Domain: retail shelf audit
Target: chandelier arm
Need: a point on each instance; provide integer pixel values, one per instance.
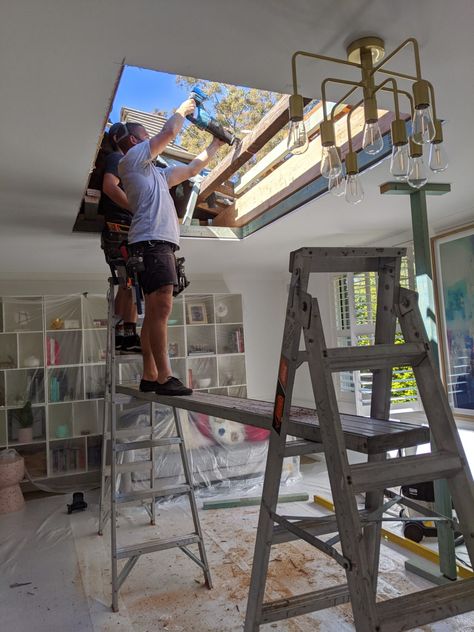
(404, 92)
(433, 104)
(341, 100)
(395, 93)
(355, 85)
(304, 53)
(349, 132)
(401, 75)
(410, 40)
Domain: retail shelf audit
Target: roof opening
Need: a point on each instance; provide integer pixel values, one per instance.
(249, 184)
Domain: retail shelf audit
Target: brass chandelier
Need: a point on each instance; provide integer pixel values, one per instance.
(368, 55)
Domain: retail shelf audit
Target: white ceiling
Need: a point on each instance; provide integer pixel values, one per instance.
(59, 61)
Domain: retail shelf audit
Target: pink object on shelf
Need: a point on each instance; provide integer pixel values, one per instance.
(52, 351)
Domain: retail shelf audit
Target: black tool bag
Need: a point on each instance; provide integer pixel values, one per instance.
(113, 237)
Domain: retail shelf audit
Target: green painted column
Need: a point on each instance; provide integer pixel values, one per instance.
(424, 286)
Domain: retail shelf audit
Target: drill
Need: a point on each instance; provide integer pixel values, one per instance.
(204, 120)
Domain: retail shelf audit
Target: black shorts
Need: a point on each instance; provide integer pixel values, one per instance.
(160, 265)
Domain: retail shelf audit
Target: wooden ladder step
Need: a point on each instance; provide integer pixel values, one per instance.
(156, 545)
(302, 604)
(145, 494)
(404, 471)
(147, 443)
(426, 606)
(378, 356)
(302, 446)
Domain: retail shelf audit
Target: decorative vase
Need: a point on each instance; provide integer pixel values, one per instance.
(25, 435)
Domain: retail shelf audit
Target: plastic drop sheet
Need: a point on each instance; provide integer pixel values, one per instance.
(224, 456)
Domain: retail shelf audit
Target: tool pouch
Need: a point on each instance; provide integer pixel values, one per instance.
(113, 237)
(182, 279)
(135, 259)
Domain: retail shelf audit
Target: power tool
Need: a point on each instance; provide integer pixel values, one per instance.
(204, 120)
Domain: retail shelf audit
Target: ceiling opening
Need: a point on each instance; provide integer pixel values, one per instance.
(249, 184)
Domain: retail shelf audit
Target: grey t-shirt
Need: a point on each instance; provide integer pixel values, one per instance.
(146, 186)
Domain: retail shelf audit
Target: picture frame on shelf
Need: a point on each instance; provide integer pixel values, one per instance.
(197, 313)
(453, 264)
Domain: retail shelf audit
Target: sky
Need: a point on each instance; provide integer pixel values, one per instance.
(146, 90)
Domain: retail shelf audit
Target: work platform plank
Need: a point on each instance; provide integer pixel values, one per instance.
(362, 434)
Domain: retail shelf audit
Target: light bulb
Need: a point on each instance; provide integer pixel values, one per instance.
(417, 176)
(438, 157)
(337, 185)
(372, 142)
(400, 162)
(331, 165)
(297, 137)
(423, 128)
(354, 190)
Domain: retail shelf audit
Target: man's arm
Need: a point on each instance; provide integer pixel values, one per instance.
(176, 175)
(171, 128)
(110, 186)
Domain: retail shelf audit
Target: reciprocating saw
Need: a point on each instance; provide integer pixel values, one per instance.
(204, 120)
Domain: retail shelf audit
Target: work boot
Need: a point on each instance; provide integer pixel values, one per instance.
(130, 345)
(172, 386)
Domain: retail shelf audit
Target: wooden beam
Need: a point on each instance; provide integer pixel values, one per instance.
(294, 173)
(270, 124)
(226, 188)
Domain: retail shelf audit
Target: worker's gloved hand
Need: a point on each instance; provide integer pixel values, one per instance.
(187, 107)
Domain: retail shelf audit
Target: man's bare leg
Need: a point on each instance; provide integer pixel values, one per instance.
(150, 372)
(157, 310)
(128, 308)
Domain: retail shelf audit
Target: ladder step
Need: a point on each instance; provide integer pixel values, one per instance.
(302, 604)
(147, 443)
(315, 526)
(301, 446)
(126, 433)
(403, 471)
(378, 356)
(156, 545)
(128, 357)
(134, 466)
(426, 606)
(144, 494)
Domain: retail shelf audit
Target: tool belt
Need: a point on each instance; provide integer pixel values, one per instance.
(113, 237)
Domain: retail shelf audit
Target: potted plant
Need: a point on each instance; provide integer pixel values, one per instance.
(25, 419)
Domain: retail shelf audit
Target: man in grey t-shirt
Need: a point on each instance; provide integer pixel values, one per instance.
(155, 230)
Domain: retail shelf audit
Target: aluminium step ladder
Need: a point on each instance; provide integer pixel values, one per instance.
(116, 443)
(358, 530)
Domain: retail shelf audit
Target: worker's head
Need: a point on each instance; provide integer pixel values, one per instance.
(112, 135)
(127, 135)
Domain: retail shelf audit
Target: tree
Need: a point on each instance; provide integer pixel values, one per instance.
(237, 109)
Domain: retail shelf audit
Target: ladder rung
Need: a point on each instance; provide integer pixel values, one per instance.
(404, 471)
(301, 446)
(378, 356)
(156, 545)
(147, 443)
(315, 526)
(302, 604)
(144, 494)
(134, 466)
(128, 357)
(126, 433)
(426, 606)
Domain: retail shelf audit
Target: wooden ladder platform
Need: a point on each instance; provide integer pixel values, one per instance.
(362, 434)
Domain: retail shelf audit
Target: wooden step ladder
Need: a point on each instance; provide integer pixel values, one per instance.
(117, 442)
(359, 530)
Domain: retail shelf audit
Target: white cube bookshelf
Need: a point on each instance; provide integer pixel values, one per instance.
(52, 353)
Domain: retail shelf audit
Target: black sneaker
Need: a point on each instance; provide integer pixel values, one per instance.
(131, 344)
(118, 342)
(172, 386)
(148, 386)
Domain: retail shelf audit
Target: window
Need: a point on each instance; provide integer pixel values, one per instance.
(355, 296)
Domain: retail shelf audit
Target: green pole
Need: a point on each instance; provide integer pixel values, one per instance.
(424, 286)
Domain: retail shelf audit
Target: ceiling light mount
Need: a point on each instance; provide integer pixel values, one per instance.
(374, 45)
(367, 56)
